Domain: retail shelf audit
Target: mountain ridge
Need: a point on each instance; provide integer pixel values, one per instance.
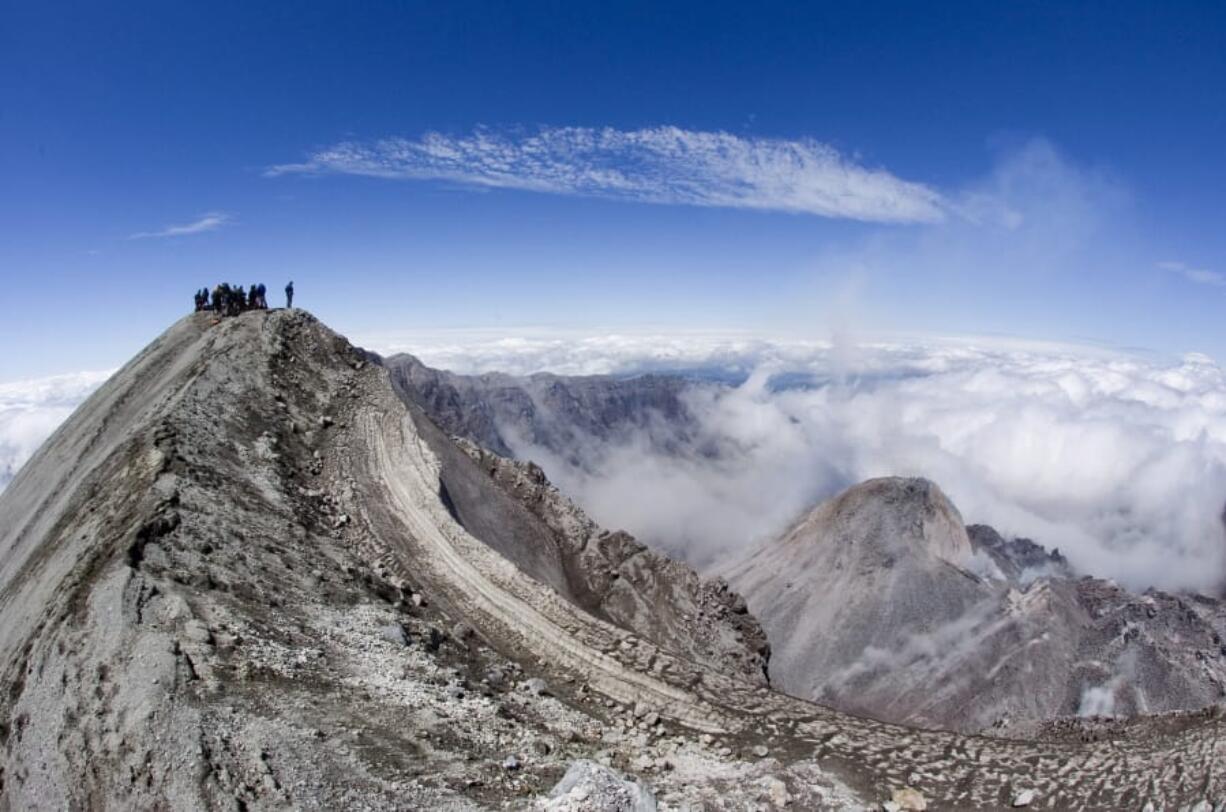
(232, 578)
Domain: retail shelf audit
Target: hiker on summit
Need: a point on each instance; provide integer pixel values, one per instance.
(289, 295)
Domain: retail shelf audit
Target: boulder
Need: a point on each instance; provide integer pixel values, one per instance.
(591, 787)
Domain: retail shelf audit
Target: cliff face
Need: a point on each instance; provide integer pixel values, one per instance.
(615, 577)
(880, 603)
(554, 412)
(246, 574)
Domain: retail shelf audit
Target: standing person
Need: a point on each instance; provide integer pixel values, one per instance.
(289, 295)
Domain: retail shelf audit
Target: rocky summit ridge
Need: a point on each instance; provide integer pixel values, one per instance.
(247, 574)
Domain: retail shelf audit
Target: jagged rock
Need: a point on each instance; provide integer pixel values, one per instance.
(394, 633)
(909, 800)
(591, 787)
(550, 411)
(777, 793)
(1024, 798)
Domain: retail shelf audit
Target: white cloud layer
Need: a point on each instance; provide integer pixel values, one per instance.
(209, 221)
(30, 410)
(653, 165)
(1118, 460)
(571, 352)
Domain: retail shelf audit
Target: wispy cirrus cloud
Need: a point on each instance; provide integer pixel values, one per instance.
(1200, 276)
(209, 221)
(665, 165)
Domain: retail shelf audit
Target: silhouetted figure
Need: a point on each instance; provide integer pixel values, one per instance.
(289, 295)
(231, 300)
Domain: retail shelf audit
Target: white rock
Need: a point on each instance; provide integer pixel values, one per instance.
(910, 800)
(777, 792)
(1024, 798)
(394, 633)
(590, 786)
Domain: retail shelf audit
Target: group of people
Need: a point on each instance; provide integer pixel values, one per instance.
(230, 300)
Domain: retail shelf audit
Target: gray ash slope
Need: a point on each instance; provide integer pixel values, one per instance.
(245, 574)
(880, 602)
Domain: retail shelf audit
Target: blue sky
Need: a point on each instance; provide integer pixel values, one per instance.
(1042, 170)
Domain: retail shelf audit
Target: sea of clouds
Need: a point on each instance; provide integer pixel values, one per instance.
(1117, 459)
(31, 409)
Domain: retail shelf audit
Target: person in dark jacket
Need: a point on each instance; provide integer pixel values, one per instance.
(289, 294)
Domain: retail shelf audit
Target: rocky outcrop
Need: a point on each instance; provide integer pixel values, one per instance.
(621, 580)
(1017, 560)
(880, 603)
(588, 787)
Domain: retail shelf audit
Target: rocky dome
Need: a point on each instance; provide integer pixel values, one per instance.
(881, 603)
